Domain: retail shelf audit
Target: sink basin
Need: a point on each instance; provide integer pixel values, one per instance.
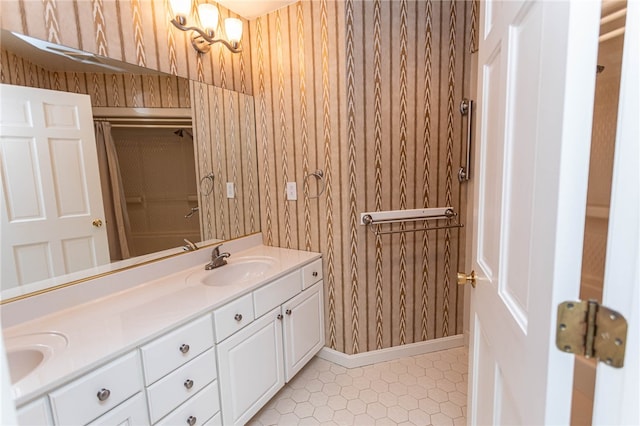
(28, 352)
(22, 362)
(236, 271)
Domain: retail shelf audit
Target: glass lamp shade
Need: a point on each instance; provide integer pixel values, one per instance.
(181, 7)
(233, 30)
(208, 14)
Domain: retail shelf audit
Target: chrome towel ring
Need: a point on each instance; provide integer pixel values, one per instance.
(206, 184)
(319, 175)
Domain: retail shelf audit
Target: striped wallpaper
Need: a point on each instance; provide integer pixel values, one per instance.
(367, 91)
(135, 31)
(224, 137)
(105, 90)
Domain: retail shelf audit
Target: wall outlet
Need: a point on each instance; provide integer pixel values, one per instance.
(292, 191)
(231, 190)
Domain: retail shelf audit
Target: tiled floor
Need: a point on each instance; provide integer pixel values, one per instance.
(429, 389)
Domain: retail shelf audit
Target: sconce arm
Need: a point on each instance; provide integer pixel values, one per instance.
(201, 41)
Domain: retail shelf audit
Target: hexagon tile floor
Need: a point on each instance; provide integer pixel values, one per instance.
(429, 389)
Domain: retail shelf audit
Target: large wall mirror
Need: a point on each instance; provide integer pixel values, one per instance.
(185, 156)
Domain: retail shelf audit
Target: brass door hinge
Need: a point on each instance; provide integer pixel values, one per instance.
(590, 329)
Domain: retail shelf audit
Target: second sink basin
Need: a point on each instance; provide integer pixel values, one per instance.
(28, 352)
(236, 271)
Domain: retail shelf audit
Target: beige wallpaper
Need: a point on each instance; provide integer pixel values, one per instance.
(367, 91)
(135, 31)
(106, 90)
(224, 135)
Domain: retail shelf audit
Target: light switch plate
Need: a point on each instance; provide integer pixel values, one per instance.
(292, 191)
(231, 190)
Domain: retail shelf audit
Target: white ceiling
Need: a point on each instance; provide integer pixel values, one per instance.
(251, 9)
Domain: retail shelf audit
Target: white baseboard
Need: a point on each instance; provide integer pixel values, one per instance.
(389, 354)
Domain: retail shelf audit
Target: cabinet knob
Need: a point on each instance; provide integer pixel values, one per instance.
(103, 394)
(315, 274)
(188, 383)
(279, 316)
(288, 312)
(238, 317)
(192, 420)
(184, 348)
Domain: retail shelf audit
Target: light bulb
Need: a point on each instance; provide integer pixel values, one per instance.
(208, 17)
(233, 29)
(181, 8)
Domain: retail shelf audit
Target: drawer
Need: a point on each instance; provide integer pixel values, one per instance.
(131, 412)
(197, 411)
(172, 390)
(78, 402)
(311, 274)
(276, 293)
(233, 316)
(170, 351)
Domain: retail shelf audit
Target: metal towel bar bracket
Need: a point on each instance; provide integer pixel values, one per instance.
(374, 220)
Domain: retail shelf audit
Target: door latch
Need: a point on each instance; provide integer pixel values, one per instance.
(592, 330)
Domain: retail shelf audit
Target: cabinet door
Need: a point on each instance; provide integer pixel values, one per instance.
(35, 414)
(303, 329)
(251, 369)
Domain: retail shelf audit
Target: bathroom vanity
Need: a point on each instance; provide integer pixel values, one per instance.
(196, 347)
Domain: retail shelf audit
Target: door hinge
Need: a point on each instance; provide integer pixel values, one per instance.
(590, 329)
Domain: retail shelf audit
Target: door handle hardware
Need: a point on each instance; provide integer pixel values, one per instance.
(467, 279)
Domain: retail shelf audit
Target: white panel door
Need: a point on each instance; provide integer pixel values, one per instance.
(303, 329)
(531, 162)
(50, 186)
(251, 368)
(617, 390)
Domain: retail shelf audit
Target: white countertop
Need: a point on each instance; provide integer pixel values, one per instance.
(110, 326)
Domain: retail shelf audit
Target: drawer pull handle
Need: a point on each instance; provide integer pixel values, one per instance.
(184, 348)
(188, 383)
(103, 394)
(192, 420)
(315, 274)
(288, 312)
(279, 316)
(238, 317)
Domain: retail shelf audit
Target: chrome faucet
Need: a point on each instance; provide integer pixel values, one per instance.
(217, 259)
(189, 246)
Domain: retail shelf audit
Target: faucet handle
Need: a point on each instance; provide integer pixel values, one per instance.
(216, 250)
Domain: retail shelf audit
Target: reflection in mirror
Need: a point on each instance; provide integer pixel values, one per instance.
(182, 175)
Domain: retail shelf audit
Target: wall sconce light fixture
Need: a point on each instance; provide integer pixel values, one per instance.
(203, 38)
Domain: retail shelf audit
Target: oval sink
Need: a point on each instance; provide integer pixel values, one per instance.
(235, 271)
(28, 352)
(22, 362)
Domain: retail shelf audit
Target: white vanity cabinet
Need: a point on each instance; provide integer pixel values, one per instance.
(256, 361)
(93, 394)
(251, 368)
(36, 413)
(180, 375)
(303, 329)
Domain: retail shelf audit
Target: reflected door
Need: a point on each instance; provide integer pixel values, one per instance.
(52, 213)
(530, 188)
